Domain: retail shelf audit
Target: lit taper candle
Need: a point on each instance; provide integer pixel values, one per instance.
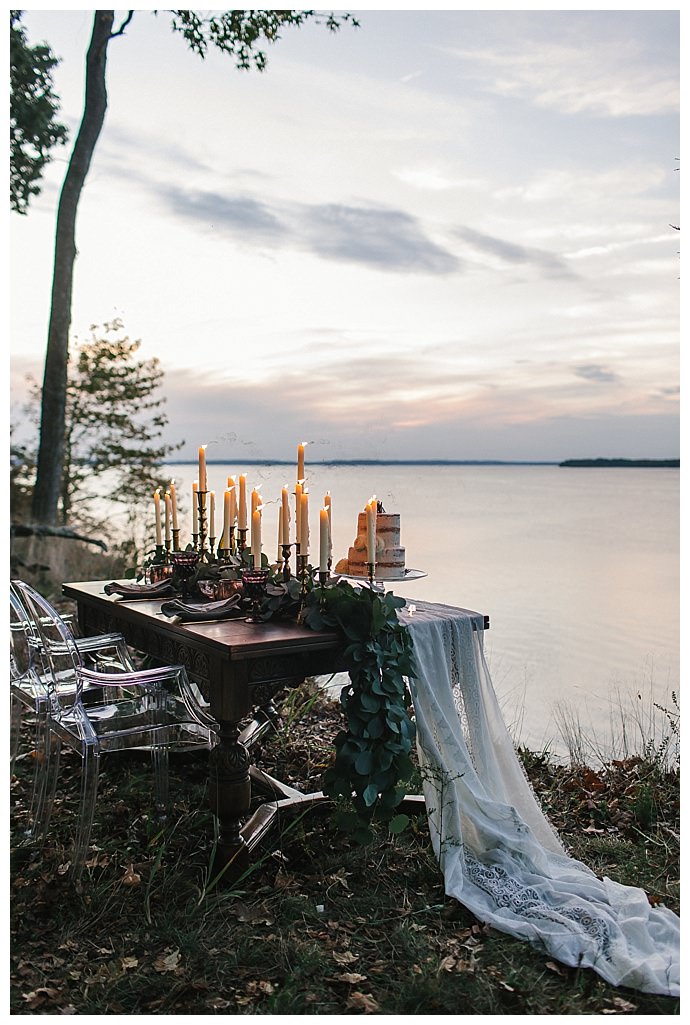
(173, 503)
(256, 537)
(242, 511)
(157, 505)
(323, 540)
(202, 468)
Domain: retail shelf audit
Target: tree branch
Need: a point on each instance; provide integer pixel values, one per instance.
(43, 530)
(123, 26)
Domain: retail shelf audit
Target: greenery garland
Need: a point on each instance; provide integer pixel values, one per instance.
(372, 756)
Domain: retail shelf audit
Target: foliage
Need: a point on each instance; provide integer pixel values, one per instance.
(113, 424)
(34, 130)
(372, 755)
(238, 33)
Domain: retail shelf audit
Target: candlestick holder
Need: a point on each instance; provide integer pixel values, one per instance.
(211, 546)
(371, 569)
(286, 561)
(175, 539)
(324, 575)
(254, 583)
(303, 576)
(241, 539)
(232, 544)
(202, 524)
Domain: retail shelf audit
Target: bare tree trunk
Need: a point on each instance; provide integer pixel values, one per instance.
(51, 445)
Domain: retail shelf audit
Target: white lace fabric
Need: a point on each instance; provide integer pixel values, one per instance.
(499, 855)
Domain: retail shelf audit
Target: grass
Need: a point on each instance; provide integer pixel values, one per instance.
(319, 925)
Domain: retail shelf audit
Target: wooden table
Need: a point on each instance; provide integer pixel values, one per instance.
(238, 666)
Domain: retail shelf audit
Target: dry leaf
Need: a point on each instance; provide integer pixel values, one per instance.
(167, 962)
(624, 1005)
(347, 957)
(129, 962)
(553, 967)
(351, 977)
(217, 1003)
(255, 915)
(37, 997)
(363, 1002)
(130, 878)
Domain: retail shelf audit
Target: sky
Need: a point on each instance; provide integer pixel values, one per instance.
(444, 234)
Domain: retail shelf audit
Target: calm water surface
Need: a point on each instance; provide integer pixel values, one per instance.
(578, 570)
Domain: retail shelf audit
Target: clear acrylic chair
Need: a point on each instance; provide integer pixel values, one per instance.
(29, 693)
(151, 708)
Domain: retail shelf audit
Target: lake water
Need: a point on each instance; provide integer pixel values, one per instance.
(578, 570)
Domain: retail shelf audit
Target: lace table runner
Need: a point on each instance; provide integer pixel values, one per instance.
(499, 855)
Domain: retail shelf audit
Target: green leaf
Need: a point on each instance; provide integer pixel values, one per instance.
(370, 794)
(398, 823)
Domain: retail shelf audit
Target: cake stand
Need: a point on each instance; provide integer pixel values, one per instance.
(409, 574)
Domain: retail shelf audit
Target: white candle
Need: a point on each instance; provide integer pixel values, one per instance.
(285, 515)
(173, 502)
(212, 515)
(327, 504)
(304, 523)
(202, 468)
(298, 511)
(227, 521)
(280, 537)
(168, 514)
(195, 508)
(323, 539)
(300, 460)
(371, 532)
(157, 505)
(232, 519)
(256, 537)
(242, 514)
(256, 499)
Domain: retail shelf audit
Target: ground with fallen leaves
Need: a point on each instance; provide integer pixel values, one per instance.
(320, 925)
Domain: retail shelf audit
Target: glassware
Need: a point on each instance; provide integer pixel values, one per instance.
(185, 563)
(254, 582)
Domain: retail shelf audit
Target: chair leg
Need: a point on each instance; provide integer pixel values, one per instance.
(15, 729)
(89, 789)
(45, 784)
(160, 762)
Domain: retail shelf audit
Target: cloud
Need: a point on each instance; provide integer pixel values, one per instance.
(608, 78)
(377, 237)
(596, 372)
(243, 215)
(551, 265)
(383, 238)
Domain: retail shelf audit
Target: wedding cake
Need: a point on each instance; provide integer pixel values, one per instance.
(390, 556)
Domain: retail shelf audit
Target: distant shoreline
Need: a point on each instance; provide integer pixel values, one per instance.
(668, 463)
(672, 463)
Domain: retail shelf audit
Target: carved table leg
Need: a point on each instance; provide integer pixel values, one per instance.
(229, 799)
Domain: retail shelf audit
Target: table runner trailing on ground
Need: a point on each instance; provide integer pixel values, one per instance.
(499, 855)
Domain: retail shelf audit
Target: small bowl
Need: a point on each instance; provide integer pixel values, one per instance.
(217, 590)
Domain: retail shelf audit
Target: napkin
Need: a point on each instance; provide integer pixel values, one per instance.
(179, 612)
(163, 589)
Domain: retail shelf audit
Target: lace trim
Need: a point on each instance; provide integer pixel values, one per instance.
(526, 902)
